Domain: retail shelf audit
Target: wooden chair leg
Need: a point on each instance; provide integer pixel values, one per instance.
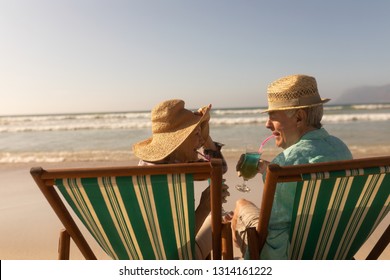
(64, 245)
(380, 246)
(227, 241)
(253, 243)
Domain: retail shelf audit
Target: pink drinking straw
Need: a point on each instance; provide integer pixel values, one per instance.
(264, 142)
(206, 157)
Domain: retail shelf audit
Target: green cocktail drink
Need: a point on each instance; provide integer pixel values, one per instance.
(248, 168)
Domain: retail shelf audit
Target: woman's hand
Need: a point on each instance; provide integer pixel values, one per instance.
(225, 192)
(204, 125)
(203, 111)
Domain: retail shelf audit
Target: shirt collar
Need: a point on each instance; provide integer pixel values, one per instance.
(316, 134)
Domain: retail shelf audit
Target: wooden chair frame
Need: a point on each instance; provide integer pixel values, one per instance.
(276, 174)
(201, 171)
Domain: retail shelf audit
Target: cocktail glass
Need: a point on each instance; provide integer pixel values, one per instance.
(248, 169)
(249, 165)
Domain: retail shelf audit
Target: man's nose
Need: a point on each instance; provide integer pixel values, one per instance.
(268, 124)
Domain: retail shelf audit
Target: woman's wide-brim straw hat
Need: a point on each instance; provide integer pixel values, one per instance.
(171, 126)
(293, 92)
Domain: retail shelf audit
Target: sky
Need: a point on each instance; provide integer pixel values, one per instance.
(74, 56)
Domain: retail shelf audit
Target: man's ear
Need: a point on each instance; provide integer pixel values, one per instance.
(301, 117)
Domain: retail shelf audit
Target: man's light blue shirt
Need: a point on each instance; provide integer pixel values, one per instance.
(314, 146)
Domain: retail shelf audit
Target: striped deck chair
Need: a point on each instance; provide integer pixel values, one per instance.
(139, 212)
(337, 207)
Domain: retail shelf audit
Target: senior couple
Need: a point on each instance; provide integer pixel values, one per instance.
(295, 110)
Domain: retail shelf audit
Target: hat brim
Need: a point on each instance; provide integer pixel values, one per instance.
(161, 145)
(325, 100)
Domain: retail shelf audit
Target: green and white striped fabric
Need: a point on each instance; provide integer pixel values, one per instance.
(138, 217)
(335, 213)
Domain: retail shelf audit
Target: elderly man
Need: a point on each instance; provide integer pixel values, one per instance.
(295, 110)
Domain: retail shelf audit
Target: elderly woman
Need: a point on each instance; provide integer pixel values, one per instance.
(178, 134)
(295, 110)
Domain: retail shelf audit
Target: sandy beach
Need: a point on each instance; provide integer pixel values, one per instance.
(29, 228)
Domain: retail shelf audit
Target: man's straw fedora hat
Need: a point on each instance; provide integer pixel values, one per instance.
(171, 125)
(293, 92)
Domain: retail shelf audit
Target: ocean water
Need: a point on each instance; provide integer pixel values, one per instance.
(109, 136)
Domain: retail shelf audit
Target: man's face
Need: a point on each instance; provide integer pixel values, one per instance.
(284, 128)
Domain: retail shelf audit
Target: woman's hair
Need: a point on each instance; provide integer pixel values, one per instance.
(314, 115)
